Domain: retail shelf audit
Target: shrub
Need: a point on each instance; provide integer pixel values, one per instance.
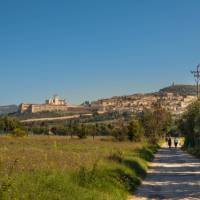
(38, 130)
(17, 132)
(8, 124)
(82, 132)
(120, 131)
(135, 131)
(189, 125)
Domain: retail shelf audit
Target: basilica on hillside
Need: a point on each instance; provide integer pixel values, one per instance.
(52, 104)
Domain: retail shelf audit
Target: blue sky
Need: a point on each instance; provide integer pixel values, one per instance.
(90, 49)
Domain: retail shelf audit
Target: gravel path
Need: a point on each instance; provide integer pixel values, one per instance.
(174, 174)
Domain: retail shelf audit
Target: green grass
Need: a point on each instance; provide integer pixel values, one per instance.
(59, 168)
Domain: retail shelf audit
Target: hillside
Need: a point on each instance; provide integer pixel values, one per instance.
(8, 109)
(180, 89)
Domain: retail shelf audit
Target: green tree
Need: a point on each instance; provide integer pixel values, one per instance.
(120, 131)
(82, 131)
(8, 124)
(189, 124)
(135, 130)
(92, 130)
(156, 123)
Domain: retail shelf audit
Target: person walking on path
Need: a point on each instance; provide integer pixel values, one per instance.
(169, 142)
(166, 139)
(175, 142)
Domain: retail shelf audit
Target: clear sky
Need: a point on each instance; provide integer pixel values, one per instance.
(90, 49)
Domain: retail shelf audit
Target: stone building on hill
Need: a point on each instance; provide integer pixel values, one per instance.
(52, 104)
(55, 100)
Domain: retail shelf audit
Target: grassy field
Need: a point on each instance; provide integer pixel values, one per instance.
(60, 168)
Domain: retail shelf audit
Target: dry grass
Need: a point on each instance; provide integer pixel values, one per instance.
(64, 153)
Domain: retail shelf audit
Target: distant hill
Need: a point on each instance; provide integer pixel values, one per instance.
(180, 89)
(8, 109)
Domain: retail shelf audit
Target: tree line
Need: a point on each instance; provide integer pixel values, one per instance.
(189, 125)
(11, 126)
(151, 124)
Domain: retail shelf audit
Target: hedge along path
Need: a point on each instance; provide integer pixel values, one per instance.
(173, 174)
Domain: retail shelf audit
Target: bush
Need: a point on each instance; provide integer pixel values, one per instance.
(189, 125)
(120, 133)
(82, 132)
(135, 131)
(38, 130)
(8, 124)
(17, 132)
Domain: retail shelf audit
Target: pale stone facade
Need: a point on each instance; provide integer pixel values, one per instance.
(34, 108)
(56, 101)
(52, 104)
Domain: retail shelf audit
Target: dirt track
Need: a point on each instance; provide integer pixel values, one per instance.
(174, 174)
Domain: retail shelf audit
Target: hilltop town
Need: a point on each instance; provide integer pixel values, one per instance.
(175, 102)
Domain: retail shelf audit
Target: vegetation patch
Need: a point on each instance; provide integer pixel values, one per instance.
(189, 125)
(32, 168)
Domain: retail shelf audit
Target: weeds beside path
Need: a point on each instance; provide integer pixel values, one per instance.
(58, 168)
